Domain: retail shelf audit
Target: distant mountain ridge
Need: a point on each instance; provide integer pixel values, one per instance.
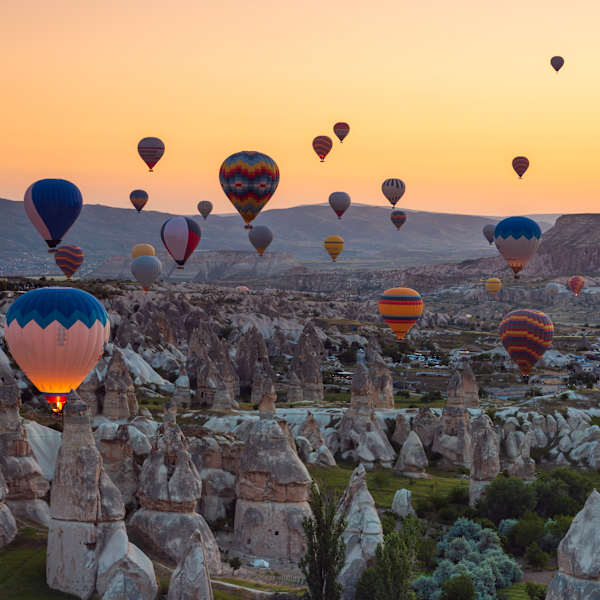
(371, 240)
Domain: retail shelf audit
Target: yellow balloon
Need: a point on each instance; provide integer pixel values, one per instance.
(493, 286)
(142, 250)
(334, 244)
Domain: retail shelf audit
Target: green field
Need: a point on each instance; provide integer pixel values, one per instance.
(517, 592)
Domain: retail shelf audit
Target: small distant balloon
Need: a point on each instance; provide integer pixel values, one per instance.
(260, 237)
(69, 259)
(339, 202)
(242, 288)
(553, 288)
(146, 269)
(205, 208)
(493, 285)
(142, 250)
(180, 236)
(151, 150)
(488, 233)
(334, 244)
(557, 62)
(322, 145)
(138, 198)
(520, 164)
(576, 283)
(398, 218)
(393, 190)
(341, 129)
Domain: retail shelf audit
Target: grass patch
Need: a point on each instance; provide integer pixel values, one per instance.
(228, 594)
(516, 591)
(264, 587)
(336, 397)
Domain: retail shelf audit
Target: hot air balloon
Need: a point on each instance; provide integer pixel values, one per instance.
(553, 288)
(339, 201)
(517, 239)
(205, 208)
(69, 259)
(249, 179)
(142, 250)
(334, 244)
(180, 236)
(400, 308)
(322, 145)
(138, 198)
(526, 335)
(53, 205)
(151, 150)
(520, 164)
(260, 237)
(493, 285)
(341, 129)
(146, 269)
(398, 218)
(242, 288)
(576, 283)
(56, 336)
(393, 190)
(488, 233)
(557, 62)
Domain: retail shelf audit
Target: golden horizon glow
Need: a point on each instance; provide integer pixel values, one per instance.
(440, 94)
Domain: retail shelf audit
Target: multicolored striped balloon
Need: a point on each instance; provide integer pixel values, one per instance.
(322, 145)
(398, 218)
(400, 308)
(526, 335)
(138, 198)
(493, 285)
(249, 179)
(53, 206)
(393, 190)
(520, 164)
(151, 150)
(576, 283)
(69, 259)
(517, 239)
(56, 336)
(341, 129)
(180, 236)
(334, 244)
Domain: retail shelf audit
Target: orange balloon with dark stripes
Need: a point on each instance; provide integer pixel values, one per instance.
(576, 284)
(520, 164)
(322, 145)
(69, 259)
(400, 308)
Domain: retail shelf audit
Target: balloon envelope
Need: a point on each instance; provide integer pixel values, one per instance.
(142, 250)
(69, 259)
(242, 288)
(260, 237)
(334, 244)
(493, 285)
(576, 283)
(138, 198)
(557, 62)
(393, 190)
(205, 208)
(400, 308)
(339, 201)
(520, 164)
(526, 335)
(488, 233)
(398, 218)
(180, 236)
(52, 206)
(322, 145)
(341, 129)
(553, 288)
(56, 336)
(517, 239)
(249, 179)
(146, 269)
(151, 150)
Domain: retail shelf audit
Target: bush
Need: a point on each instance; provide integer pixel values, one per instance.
(458, 588)
(427, 553)
(536, 557)
(388, 523)
(529, 529)
(506, 498)
(535, 591)
(562, 491)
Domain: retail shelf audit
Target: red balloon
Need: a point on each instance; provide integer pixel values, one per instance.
(322, 145)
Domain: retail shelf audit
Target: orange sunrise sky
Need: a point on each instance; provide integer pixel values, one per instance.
(442, 94)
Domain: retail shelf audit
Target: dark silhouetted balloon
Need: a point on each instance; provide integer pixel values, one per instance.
(339, 201)
(138, 198)
(205, 208)
(341, 129)
(151, 150)
(398, 218)
(322, 145)
(557, 62)
(488, 233)
(520, 164)
(260, 237)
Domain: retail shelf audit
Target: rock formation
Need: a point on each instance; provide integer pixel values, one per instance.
(578, 577)
(401, 430)
(516, 456)
(363, 530)
(463, 390)
(311, 444)
(412, 460)
(119, 392)
(170, 488)
(402, 505)
(269, 396)
(294, 390)
(252, 357)
(273, 488)
(381, 377)
(425, 425)
(191, 579)
(8, 525)
(181, 396)
(90, 391)
(88, 548)
(486, 457)
(305, 364)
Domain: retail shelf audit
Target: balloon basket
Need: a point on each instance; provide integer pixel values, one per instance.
(247, 226)
(56, 402)
(179, 267)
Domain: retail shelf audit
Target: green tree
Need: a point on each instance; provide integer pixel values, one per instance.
(458, 588)
(536, 557)
(325, 548)
(506, 498)
(394, 566)
(235, 563)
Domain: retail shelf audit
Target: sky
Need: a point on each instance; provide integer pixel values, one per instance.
(440, 94)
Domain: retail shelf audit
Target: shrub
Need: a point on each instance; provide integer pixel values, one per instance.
(388, 523)
(535, 591)
(458, 588)
(506, 498)
(536, 557)
(529, 529)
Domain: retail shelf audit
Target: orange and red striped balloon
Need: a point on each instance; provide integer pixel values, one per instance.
(576, 284)
(341, 129)
(69, 259)
(400, 308)
(520, 164)
(322, 145)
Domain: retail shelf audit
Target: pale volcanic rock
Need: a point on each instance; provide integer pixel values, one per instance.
(363, 530)
(294, 390)
(463, 390)
(402, 505)
(363, 394)
(425, 424)
(8, 525)
(453, 437)
(486, 457)
(516, 456)
(182, 395)
(119, 392)
(412, 460)
(191, 578)
(401, 430)
(251, 352)
(579, 556)
(381, 377)
(90, 391)
(269, 396)
(314, 449)
(306, 364)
